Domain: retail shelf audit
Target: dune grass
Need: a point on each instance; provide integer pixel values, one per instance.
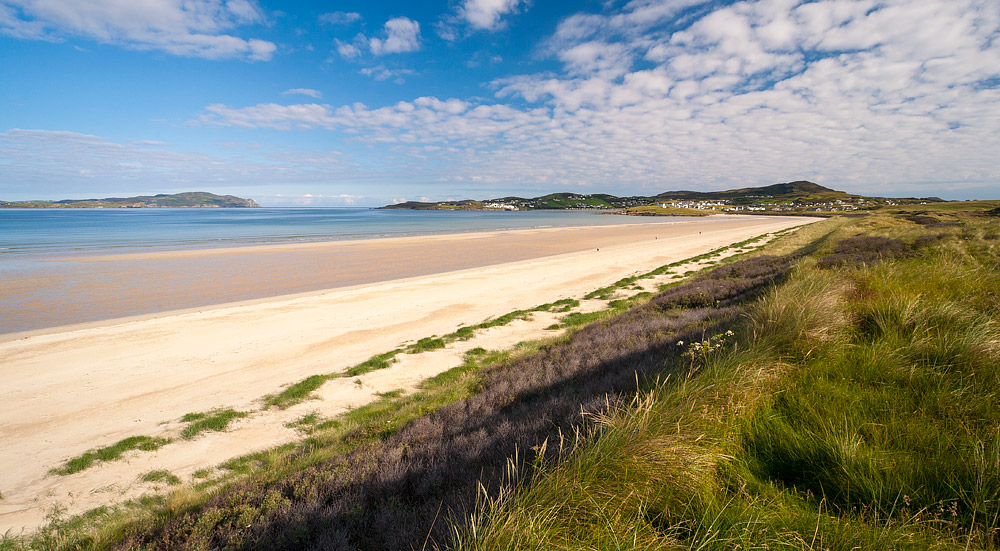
(856, 408)
(215, 420)
(161, 476)
(111, 453)
(296, 393)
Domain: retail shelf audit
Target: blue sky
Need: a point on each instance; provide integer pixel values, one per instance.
(366, 103)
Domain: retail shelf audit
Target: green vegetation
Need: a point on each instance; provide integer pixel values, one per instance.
(853, 408)
(798, 197)
(657, 210)
(161, 476)
(311, 422)
(378, 361)
(187, 199)
(297, 392)
(110, 453)
(215, 420)
(425, 344)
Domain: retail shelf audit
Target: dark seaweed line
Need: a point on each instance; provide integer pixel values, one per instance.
(397, 494)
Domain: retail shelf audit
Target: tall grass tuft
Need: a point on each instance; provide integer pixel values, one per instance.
(111, 453)
(215, 420)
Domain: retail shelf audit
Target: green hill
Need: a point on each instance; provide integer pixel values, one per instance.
(190, 199)
(798, 196)
(792, 190)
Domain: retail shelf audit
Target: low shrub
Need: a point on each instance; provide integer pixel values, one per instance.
(867, 249)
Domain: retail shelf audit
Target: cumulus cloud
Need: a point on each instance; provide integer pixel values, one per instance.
(303, 92)
(349, 50)
(400, 34)
(195, 28)
(875, 97)
(486, 14)
(476, 15)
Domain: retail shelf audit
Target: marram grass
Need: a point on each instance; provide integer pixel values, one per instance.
(858, 409)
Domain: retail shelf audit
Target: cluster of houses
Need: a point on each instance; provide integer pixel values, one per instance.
(700, 205)
(492, 205)
(837, 205)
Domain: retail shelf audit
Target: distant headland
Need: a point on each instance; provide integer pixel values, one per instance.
(191, 199)
(790, 198)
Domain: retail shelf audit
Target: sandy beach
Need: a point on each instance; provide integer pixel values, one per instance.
(224, 327)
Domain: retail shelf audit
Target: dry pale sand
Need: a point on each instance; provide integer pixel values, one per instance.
(71, 390)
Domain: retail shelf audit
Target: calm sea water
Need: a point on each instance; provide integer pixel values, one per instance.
(33, 232)
(46, 279)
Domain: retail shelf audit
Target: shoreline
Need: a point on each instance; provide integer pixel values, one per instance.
(73, 390)
(70, 291)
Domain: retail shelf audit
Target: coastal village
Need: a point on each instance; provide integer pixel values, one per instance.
(743, 204)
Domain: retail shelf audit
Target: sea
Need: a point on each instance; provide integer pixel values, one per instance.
(34, 232)
(60, 267)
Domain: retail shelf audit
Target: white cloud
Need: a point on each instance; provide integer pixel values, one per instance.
(193, 28)
(339, 18)
(883, 97)
(381, 72)
(486, 14)
(597, 57)
(270, 115)
(476, 15)
(401, 35)
(303, 92)
(348, 50)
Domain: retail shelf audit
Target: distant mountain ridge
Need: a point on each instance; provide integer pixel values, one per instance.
(788, 191)
(189, 199)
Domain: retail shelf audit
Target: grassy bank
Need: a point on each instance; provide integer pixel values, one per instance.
(854, 407)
